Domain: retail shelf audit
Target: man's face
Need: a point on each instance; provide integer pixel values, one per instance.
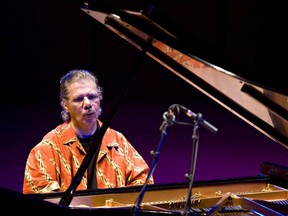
(83, 103)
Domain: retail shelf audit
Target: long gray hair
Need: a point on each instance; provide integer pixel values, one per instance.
(74, 76)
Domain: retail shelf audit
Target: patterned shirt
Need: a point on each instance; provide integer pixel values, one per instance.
(53, 162)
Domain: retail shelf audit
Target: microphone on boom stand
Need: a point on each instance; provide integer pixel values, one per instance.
(169, 119)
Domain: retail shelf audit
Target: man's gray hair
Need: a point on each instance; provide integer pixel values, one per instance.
(71, 77)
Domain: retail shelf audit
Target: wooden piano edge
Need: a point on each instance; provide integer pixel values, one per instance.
(112, 204)
(278, 174)
(226, 204)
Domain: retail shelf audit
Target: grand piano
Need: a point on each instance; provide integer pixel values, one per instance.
(231, 51)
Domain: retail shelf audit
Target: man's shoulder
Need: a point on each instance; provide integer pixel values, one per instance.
(62, 131)
(58, 129)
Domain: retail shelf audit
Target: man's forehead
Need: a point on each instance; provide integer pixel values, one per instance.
(82, 86)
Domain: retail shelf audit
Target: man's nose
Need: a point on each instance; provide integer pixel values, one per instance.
(86, 103)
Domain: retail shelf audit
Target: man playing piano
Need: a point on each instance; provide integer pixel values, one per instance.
(52, 163)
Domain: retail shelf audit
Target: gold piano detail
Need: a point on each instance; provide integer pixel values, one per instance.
(254, 196)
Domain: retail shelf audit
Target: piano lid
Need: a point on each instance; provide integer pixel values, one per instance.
(230, 51)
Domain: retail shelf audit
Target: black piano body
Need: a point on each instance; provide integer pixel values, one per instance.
(231, 51)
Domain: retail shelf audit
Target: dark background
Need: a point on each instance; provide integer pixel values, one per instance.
(40, 41)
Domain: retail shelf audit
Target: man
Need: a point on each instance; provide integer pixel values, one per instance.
(53, 162)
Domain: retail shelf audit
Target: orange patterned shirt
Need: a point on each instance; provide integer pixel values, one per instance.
(52, 163)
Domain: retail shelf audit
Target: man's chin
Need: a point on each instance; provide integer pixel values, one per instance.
(90, 119)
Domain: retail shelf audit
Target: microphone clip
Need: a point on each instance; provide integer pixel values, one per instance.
(169, 119)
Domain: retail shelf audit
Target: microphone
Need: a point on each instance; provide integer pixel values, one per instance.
(203, 122)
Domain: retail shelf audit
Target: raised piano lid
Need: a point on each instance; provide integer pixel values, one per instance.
(230, 51)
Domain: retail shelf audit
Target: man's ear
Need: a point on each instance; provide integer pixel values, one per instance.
(64, 106)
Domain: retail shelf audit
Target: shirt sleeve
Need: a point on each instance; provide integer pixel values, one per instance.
(40, 171)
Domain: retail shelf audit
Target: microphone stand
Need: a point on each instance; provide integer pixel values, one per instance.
(169, 119)
(195, 140)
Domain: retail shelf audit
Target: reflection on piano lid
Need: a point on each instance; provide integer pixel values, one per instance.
(220, 70)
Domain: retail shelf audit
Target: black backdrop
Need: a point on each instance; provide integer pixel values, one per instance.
(40, 41)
